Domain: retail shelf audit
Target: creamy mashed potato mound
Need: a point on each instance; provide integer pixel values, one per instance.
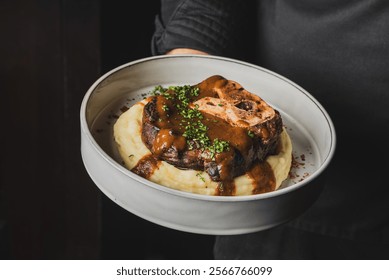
(127, 134)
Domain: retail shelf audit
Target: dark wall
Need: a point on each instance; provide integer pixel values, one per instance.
(127, 27)
(50, 55)
(126, 30)
(51, 52)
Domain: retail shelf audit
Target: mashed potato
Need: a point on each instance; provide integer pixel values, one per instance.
(127, 134)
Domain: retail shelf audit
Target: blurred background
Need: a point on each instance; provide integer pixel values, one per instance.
(51, 53)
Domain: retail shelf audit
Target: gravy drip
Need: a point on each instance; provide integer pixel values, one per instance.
(146, 166)
(263, 177)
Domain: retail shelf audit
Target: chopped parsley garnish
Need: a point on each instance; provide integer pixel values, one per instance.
(160, 90)
(218, 146)
(250, 133)
(195, 131)
(200, 175)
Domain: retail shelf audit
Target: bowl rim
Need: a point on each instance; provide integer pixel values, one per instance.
(86, 132)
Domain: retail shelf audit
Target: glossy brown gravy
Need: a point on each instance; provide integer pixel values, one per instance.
(146, 166)
(263, 177)
(261, 174)
(171, 127)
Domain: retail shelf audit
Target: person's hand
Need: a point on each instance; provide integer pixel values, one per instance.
(185, 51)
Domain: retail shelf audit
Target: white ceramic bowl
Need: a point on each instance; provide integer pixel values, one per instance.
(307, 123)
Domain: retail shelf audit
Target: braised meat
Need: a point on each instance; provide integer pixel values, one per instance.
(215, 126)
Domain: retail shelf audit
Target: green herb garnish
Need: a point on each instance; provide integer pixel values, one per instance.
(200, 175)
(218, 146)
(195, 131)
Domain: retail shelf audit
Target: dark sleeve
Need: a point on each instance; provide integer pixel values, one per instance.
(213, 26)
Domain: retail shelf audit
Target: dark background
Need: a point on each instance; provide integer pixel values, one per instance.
(51, 53)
